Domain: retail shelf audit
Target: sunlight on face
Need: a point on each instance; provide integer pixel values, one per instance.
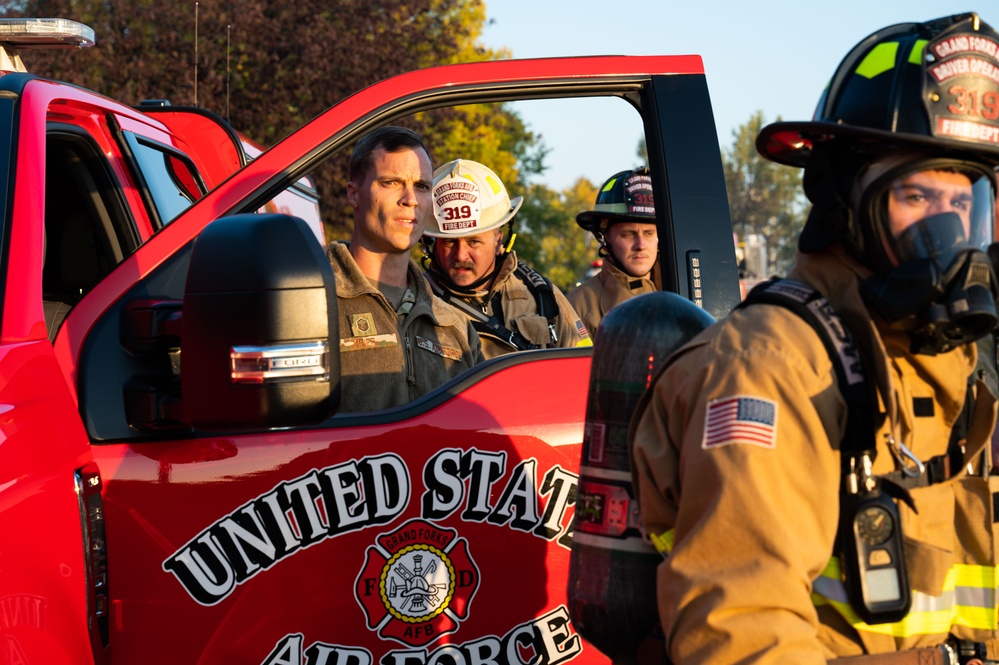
(392, 202)
(635, 246)
(469, 259)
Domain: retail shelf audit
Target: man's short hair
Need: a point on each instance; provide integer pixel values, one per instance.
(390, 138)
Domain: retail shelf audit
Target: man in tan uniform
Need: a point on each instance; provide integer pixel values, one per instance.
(512, 307)
(397, 341)
(744, 463)
(624, 223)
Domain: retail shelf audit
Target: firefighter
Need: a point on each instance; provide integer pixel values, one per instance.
(779, 477)
(397, 341)
(624, 223)
(513, 307)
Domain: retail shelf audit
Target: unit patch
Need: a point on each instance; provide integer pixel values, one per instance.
(439, 349)
(417, 583)
(362, 325)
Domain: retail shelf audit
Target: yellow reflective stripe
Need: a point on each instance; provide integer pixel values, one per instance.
(916, 54)
(609, 186)
(586, 341)
(663, 542)
(879, 60)
(969, 598)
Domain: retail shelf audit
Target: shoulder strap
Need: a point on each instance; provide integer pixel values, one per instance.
(815, 310)
(483, 323)
(811, 306)
(541, 287)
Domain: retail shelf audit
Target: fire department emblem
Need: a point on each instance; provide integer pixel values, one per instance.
(417, 583)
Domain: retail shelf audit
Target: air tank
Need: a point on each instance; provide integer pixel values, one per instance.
(612, 568)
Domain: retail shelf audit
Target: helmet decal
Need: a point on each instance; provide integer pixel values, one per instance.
(880, 60)
(469, 199)
(639, 190)
(456, 204)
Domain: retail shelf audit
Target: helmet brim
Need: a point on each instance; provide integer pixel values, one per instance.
(792, 143)
(590, 219)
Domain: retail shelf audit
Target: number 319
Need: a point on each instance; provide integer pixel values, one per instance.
(458, 212)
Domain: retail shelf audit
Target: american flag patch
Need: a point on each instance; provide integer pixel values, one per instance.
(751, 420)
(581, 329)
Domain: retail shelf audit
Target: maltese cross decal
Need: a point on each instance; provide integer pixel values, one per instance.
(417, 583)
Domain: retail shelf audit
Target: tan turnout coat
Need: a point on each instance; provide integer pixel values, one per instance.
(753, 527)
(520, 313)
(608, 288)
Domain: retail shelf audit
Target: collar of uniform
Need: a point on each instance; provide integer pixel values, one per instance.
(351, 283)
(609, 271)
(506, 270)
(837, 277)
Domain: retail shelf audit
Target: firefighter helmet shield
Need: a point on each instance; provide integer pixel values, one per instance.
(624, 197)
(469, 199)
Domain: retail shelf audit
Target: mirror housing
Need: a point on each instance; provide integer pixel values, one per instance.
(260, 337)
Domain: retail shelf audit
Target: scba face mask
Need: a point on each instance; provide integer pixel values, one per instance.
(926, 223)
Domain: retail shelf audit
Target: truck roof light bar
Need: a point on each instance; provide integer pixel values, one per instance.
(39, 33)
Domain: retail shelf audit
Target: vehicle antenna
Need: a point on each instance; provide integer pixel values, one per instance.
(195, 53)
(228, 72)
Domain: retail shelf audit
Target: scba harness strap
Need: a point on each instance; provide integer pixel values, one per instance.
(811, 306)
(869, 542)
(815, 310)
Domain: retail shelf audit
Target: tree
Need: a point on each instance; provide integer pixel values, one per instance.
(551, 241)
(270, 65)
(765, 197)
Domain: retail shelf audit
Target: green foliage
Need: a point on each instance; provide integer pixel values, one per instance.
(549, 239)
(271, 65)
(489, 134)
(765, 197)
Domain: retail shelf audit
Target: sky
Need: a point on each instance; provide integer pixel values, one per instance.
(773, 56)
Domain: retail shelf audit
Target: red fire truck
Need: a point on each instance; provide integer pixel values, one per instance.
(173, 485)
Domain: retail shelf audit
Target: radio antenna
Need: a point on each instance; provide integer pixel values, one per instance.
(195, 53)
(228, 72)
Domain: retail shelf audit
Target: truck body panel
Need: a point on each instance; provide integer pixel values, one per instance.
(436, 530)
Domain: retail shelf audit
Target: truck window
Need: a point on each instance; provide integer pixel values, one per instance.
(171, 181)
(87, 232)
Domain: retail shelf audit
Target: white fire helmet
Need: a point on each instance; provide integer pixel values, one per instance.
(469, 199)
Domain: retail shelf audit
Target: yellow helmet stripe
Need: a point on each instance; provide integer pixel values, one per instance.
(879, 60)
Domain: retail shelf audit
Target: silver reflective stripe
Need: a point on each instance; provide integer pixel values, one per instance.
(975, 597)
(280, 362)
(831, 589)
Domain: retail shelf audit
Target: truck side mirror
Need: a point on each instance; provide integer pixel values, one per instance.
(259, 330)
